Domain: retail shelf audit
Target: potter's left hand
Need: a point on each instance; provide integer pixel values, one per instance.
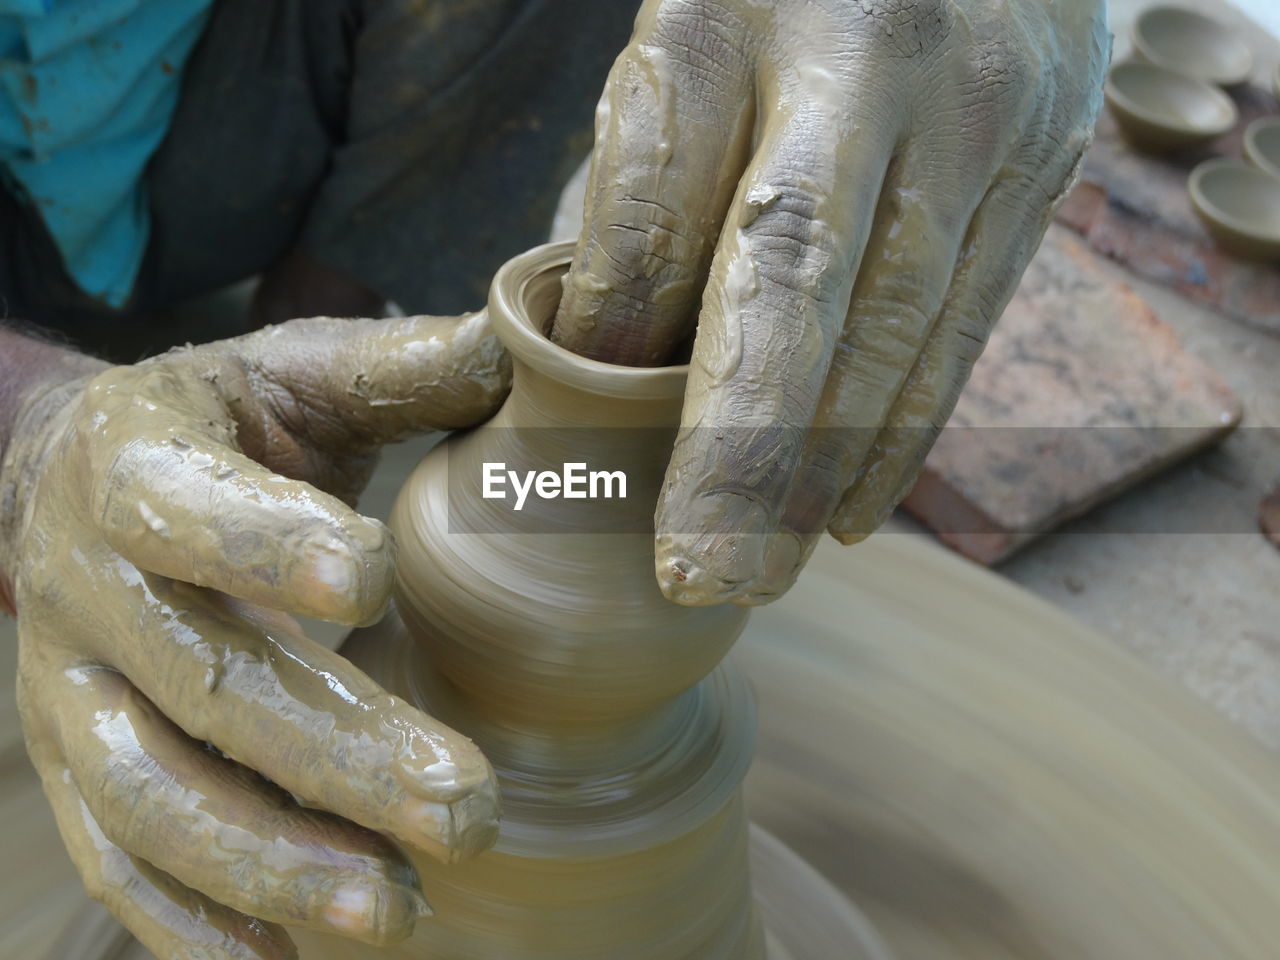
(213, 771)
(851, 189)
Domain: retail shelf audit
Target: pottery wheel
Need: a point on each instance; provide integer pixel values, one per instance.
(986, 778)
(805, 917)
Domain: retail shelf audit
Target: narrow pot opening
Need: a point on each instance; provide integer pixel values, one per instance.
(522, 306)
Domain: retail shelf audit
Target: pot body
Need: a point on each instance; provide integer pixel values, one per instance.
(536, 627)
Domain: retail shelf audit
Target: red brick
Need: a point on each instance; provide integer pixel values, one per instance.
(1081, 393)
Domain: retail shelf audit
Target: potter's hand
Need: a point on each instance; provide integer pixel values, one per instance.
(858, 184)
(169, 712)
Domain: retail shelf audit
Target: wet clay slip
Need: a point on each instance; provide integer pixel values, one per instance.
(1159, 109)
(1240, 206)
(1193, 44)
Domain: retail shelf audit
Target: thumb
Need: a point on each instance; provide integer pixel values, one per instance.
(381, 381)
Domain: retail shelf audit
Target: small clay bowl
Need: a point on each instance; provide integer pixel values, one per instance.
(1193, 44)
(1240, 206)
(1159, 109)
(1262, 144)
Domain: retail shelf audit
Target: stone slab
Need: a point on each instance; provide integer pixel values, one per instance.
(1082, 393)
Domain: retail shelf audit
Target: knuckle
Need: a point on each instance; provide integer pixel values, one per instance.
(1004, 75)
(707, 41)
(646, 238)
(968, 337)
(891, 330)
(108, 389)
(700, 28)
(120, 515)
(908, 28)
(790, 241)
(632, 273)
(41, 590)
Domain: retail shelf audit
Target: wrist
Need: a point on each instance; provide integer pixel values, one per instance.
(37, 380)
(30, 366)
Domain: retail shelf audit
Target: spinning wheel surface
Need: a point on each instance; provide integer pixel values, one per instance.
(984, 777)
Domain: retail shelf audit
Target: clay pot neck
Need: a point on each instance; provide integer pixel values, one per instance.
(555, 387)
(546, 615)
(540, 632)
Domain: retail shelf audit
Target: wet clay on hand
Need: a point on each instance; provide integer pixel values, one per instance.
(215, 773)
(843, 197)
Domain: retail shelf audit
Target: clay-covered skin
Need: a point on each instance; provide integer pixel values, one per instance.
(841, 195)
(213, 771)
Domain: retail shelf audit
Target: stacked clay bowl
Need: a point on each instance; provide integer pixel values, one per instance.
(1240, 207)
(1262, 145)
(1239, 203)
(1170, 98)
(1159, 109)
(1192, 44)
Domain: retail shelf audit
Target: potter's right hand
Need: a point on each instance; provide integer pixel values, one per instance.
(843, 195)
(213, 772)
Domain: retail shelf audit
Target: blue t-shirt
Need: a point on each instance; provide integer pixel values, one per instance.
(87, 91)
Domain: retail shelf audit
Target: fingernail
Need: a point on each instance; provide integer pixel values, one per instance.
(341, 555)
(352, 908)
(354, 584)
(853, 522)
(848, 539)
(457, 831)
(370, 535)
(376, 914)
(704, 570)
(475, 821)
(712, 548)
(431, 818)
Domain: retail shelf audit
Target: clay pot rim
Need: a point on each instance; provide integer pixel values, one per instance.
(1214, 213)
(1254, 153)
(1215, 32)
(1121, 102)
(528, 342)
